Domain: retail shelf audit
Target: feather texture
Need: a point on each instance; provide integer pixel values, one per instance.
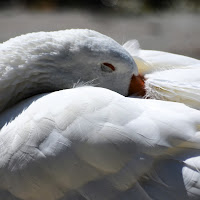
(85, 148)
(168, 76)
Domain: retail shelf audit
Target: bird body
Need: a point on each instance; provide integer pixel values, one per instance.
(86, 142)
(76, 143)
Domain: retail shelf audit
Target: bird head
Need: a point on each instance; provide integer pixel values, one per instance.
(48, 61)
(87, 56)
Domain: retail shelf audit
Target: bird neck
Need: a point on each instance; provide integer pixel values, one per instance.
(20, 83)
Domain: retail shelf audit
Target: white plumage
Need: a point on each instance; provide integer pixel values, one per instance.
(48, 61)
(168, 76)
(88, 142)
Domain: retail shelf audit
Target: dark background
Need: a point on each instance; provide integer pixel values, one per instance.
(132, 6)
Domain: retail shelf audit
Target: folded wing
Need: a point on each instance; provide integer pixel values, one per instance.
(91, 143)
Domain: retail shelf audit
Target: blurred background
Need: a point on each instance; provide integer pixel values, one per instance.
(167, 25)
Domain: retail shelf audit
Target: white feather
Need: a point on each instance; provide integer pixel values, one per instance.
(168, 76)
(92, 143)
(95, 140)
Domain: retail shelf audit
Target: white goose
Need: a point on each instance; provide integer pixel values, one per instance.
(88, 142)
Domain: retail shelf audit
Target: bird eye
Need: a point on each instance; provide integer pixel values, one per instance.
(107, 67)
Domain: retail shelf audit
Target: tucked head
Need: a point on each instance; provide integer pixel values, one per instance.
(87, 55)
(47, 61)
